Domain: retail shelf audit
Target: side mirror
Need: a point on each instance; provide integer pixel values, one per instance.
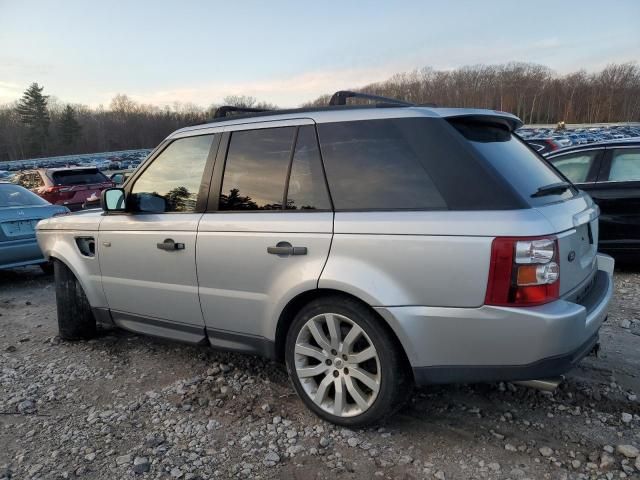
(113, 200)
(118, 178)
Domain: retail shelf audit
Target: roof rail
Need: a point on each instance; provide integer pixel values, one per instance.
(340, 98)
(225, 110)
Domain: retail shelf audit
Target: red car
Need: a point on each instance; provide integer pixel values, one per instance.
(69, 186)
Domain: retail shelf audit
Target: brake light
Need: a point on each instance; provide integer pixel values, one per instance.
(59, 192)
(523, 271)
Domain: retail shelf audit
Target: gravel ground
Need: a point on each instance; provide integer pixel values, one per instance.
(126, 406)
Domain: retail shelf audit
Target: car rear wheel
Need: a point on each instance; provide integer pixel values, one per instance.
(344, 363)
(75, 318)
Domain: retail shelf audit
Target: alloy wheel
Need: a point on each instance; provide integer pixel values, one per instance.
(337, 365)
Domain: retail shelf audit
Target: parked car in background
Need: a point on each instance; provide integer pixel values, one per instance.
(70, 187)
(20, 211)
(344, 242)
(543, 145)
(610, 173)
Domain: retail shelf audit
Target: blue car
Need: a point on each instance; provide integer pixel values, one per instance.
(20, 211)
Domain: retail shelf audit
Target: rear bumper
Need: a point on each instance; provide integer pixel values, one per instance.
(449, 345)
(18, 253)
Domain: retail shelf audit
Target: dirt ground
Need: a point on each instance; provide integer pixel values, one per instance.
(126, 406)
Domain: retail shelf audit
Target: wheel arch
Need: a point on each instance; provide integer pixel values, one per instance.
(299, 301)
(86, 271)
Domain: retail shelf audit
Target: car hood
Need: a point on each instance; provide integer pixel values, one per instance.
(83, 220)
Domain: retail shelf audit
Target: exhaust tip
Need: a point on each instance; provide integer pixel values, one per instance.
(545, 385)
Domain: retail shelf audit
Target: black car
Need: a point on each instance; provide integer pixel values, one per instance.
(610, 173)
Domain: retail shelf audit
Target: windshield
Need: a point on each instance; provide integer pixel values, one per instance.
(79, 177)
(521, 167)
(17, 196)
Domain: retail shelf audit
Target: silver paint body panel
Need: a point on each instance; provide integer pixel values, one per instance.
(425, 273)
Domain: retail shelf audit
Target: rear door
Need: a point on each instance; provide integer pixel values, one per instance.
(148, 255)
(267, 231)
(617, 192)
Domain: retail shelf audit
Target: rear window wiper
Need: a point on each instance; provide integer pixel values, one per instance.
(552, 189)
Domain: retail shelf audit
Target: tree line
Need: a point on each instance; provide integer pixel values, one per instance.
(530, 91)
(38, 125)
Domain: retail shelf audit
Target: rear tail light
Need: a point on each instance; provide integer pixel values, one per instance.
(59, 192)
(523, 271)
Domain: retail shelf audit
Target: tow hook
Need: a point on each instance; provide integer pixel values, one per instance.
(595, 351)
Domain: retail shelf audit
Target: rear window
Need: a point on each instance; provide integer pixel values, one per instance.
(78, 177)
(17, 196)
(407, 164)
(513, 160)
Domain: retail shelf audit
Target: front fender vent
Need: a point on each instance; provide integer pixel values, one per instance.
(87, 246)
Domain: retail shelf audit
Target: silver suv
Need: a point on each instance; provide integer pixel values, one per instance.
(370, 248)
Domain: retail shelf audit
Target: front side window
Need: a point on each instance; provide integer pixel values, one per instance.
(256, 169)
(625, 165)
(307, 188)
(171, 183)
(575, 166)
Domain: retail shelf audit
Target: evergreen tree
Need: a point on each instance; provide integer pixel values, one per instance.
(33, 112)
(70, 129)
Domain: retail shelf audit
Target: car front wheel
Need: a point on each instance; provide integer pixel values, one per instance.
(75, 318)
(344, 363)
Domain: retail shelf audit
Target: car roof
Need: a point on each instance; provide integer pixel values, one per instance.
(620, 142)
(358, 112)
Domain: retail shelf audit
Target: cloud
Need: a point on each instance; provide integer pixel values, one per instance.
(9, 92)
(285, 92)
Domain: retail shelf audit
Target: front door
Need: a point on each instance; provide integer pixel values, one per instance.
(267, 232)
(148, 255)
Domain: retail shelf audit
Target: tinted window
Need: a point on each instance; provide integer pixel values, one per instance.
(625, 165)
(513, 160)
(373, 165)
(256, 169)
(172, 181)
(408, 164)
(17, 196)
(575, 166)
(78, 177)
(307, 188)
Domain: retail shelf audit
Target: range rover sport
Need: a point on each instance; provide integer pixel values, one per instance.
(369, 248)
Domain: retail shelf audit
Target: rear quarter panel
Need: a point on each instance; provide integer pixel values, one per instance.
(438, 259)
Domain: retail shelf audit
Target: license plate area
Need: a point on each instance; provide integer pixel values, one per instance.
(19, 227)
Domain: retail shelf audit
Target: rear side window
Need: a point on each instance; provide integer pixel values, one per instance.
(256, 169)
(407, 164)
(307, 188)
(575, 166)
(78, 177)
(625, 165)
(513, 160)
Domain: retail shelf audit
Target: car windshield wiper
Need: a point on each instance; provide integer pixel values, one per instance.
(552, 189)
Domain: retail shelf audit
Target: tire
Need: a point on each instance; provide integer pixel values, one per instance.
(47, 268)
(374, 383)
(75, 318)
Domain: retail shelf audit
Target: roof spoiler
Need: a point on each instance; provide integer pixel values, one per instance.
(485, 116)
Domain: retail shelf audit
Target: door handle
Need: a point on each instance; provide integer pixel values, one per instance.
(169, 245)
(285, 248)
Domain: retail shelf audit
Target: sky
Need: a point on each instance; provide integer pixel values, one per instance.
(288, 52)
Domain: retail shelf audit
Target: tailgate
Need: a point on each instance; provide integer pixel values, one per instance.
(575, 222)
